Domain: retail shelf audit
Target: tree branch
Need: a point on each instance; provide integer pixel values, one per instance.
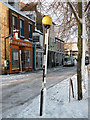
(87, 6)
(74, 12)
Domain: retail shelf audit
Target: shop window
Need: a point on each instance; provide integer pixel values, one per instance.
(30, 31)
(28, 58)
(23, 58)
(14, 22)
(15, 58)
(39, 61)
(21, 28)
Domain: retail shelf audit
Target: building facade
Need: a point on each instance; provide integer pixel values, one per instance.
(37, 41)
(38, 48)
(56, 49)
(17, 48)
(71, 48)
(60, 51)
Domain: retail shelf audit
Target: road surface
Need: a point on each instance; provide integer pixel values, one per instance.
(20, 90)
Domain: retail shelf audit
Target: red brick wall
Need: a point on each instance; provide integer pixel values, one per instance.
(62, 45)
(26, 24)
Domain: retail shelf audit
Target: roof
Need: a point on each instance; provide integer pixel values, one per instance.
(30, 7)
(19, 12)
(38, 31)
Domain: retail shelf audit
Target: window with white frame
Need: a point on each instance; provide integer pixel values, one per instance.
(30, 31)
(14, 22)
(15, 58)
(21, 28)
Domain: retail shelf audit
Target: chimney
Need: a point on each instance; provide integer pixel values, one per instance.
(15, 4)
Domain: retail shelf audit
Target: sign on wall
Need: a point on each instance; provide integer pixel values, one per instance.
(36, 38)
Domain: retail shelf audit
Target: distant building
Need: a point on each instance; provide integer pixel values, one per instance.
(60, 51)
(56, 48)
(19, 48)
(72, 49)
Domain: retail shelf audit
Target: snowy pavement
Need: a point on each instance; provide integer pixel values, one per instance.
(57, 103)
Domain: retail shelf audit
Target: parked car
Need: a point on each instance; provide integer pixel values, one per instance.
(86, 60)
(68, 61)
(75, 56)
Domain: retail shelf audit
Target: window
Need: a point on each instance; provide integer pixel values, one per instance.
(15, 58)
(21, 28)
(30, 31)
(26, 58)
(14, 22)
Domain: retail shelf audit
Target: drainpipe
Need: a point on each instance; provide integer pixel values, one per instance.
(20, 62)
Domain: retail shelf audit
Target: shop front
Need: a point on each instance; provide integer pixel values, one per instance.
(58, 58)
(51, 58)
(20, 55)
(39, 59)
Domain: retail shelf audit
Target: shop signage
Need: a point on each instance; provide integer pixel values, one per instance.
(20, 43)
(35, 38)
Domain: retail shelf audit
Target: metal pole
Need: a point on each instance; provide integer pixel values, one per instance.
(20, 61)
(5, 58)
(43, 91)
(5, 48)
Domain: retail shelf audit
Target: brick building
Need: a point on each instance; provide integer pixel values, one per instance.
(60, 51)
(19, 51)
(56, 48)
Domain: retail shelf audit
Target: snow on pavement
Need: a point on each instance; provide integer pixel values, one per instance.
(57, 103)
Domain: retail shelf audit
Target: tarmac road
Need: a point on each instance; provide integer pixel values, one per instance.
(21, 90)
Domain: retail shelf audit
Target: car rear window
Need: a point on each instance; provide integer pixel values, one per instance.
(66, 59)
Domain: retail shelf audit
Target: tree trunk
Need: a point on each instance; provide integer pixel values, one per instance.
(79, 61)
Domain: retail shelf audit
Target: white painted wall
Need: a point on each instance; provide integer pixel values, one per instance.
(41, 38)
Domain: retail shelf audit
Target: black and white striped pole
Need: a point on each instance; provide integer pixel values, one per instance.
(47, 21)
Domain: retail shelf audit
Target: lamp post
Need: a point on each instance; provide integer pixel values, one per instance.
(47, 21)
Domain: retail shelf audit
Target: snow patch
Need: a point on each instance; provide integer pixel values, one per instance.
(57, 103)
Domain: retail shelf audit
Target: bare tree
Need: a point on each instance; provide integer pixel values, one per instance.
(68, 19)
(80, 17)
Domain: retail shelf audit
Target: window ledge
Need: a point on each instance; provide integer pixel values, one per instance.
(30, 39)
(22, 37)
